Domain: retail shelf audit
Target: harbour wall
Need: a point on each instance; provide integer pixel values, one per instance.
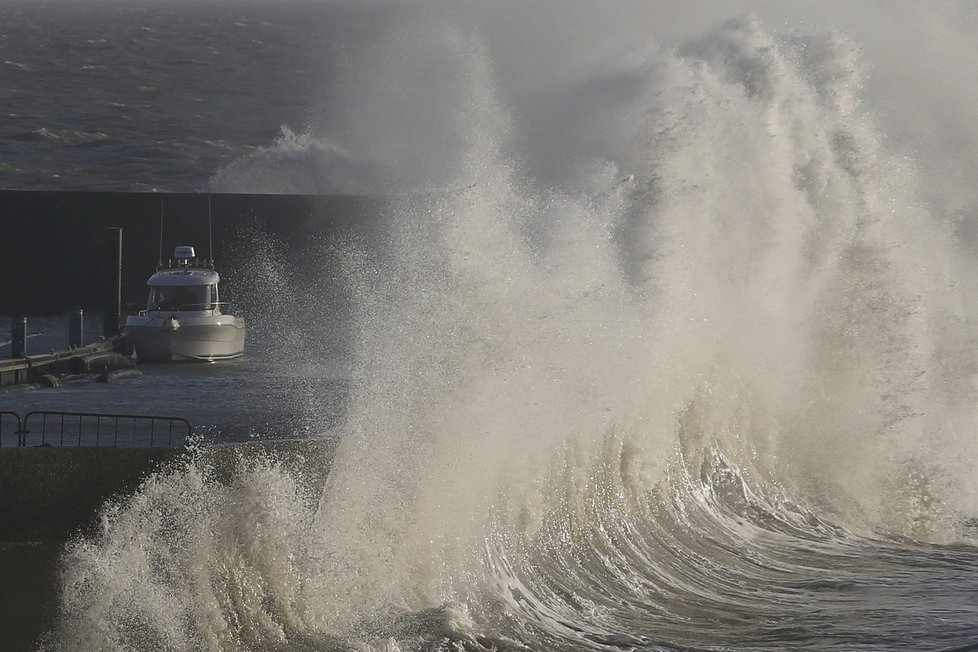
(50, 494)
(47, 492)
(52, 249)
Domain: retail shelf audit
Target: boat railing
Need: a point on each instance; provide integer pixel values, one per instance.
(187, 307)
(93, 429)
(186, 263)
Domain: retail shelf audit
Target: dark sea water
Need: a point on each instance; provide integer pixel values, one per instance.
(262, 395)
(158, 96)
(670, 348)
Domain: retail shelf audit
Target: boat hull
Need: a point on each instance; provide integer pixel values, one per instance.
(158, 338)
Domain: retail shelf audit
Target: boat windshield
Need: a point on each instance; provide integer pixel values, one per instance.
(182, 297)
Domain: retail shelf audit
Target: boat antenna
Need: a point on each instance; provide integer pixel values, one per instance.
(210, 232)
(159, 263)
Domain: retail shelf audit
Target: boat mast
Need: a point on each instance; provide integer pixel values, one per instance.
(159, 263)
(210, 232)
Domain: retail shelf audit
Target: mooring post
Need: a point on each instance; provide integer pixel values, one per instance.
(76, 328)
(18, 336)
(112, 311)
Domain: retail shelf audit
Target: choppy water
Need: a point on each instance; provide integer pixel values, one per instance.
(711, 385)
(265, 394)
(151, 96)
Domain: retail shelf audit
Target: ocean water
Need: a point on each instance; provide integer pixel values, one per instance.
(153, 96)
(679, 355)
(276, 390)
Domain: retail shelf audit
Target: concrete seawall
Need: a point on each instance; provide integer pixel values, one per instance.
(49, 494)
(53, 244)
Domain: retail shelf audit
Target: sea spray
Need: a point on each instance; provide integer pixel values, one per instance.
(192, 560)
(663, 407)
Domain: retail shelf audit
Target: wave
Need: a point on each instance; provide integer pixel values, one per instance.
(703, 395)
(69, 137)
(298, 164)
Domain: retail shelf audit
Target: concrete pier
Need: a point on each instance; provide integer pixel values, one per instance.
(29, 368)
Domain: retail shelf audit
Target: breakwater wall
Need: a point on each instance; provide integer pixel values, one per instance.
(46, 495)
(50, 494)
(47, 492)
(52, 248)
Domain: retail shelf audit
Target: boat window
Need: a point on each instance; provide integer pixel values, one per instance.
(180, 297)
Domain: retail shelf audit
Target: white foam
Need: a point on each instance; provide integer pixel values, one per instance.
(740, 306)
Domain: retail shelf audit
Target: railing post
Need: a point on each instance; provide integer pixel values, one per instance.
(18, 336)
(112, 308)
(22, 432)
(76, 328)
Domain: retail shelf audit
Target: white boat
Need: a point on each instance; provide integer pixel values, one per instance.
(183, 319)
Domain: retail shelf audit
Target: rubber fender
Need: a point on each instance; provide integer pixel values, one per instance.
(48, 380)
(100, 362)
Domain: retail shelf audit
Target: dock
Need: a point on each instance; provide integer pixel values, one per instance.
(44, 368)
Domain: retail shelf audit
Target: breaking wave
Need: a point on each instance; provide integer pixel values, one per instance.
(717, 390)
(297, 164)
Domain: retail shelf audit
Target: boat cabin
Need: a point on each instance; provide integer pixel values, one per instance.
(186, 285)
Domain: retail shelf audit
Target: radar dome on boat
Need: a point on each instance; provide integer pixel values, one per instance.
(184, 252)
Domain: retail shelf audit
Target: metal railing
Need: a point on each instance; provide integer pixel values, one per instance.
(10, 428)
(185, 307)
(46, 428)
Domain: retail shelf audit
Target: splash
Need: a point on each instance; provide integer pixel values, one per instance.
(731, 343)
(298, 164)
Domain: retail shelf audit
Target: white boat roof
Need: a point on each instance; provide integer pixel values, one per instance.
(184, 276)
